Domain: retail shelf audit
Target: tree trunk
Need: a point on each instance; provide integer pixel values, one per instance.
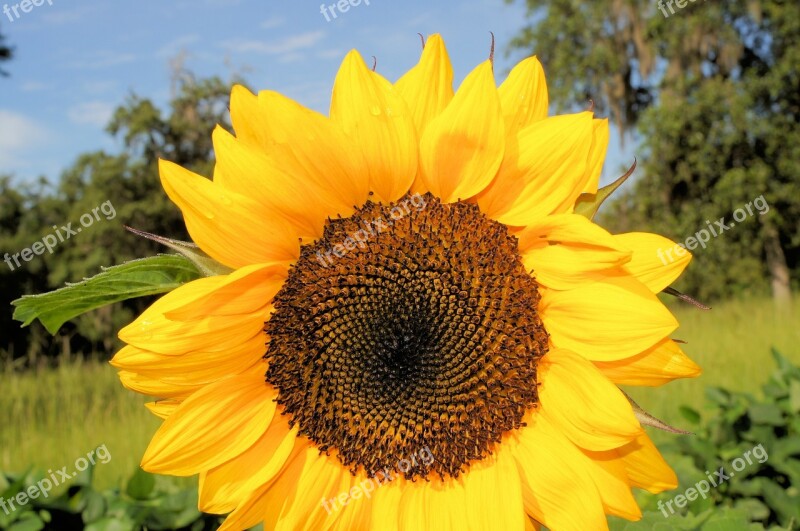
(776, 264)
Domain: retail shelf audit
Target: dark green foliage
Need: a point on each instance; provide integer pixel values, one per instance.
(146, 502)
(756, 442)
(712, 93)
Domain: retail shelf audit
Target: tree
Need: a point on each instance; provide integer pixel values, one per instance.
(5, 53)
(714, 93)
(128, 184)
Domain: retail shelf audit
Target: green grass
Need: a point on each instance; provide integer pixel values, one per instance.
(50, 417)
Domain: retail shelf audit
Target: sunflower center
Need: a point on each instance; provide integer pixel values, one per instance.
(408, 329)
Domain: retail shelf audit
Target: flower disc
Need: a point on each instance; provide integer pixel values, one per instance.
(407, 326)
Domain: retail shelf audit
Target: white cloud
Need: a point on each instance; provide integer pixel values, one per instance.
(19, 134)
(99, 86)
(175, 46)
(288, 45)
(332, 53)
(273, 22)
(101, 59)
(91, 113)
(32, 86)
(68, 15)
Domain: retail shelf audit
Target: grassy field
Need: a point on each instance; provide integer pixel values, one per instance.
(48, 418)
(51, 417)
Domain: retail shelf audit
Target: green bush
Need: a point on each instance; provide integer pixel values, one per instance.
(145, 503)
(746, 450)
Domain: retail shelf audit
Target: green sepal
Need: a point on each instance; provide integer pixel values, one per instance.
(205, 264)
(588, 204)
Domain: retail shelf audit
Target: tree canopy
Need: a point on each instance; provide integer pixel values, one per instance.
(712, 92)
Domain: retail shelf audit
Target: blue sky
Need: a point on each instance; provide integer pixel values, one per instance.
(77, 60)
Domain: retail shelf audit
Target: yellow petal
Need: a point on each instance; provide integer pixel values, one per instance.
(487, 496)
(251, 512)
(302, 144)
(462, 149)
(567, 249)
(198, 367)
(318, 152)
(248, 118)
(523, 96)
(606, 320)
(249, 172)
(646, 467)
(264, 505)
(583, 404)
(379, 126)
(493, 491)
(556, 488)
(660, 364)
(224, 487)
(322, 478)
(532, 525)
(358, 513)
(163, 408)
(387, 505)
(212, 426)
(657, 261)
(611, 479)
(544, 168)
(428, 87)
(147, 385)
(597, 155)
(231, 228)
(244, 291)
(153, 331)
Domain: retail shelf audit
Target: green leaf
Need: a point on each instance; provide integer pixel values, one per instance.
(794, 396)
(766, 414)
(95, 507)
(588, 204)
(720, 397)
(141, 485)
(137, 278)
(753, 507)
(112, 524)
(29, 522)
(690, 414)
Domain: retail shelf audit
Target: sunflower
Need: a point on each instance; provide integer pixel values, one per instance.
(415, 329)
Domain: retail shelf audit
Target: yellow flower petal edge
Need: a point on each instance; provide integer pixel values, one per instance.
(523, 96)
(428, 87)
